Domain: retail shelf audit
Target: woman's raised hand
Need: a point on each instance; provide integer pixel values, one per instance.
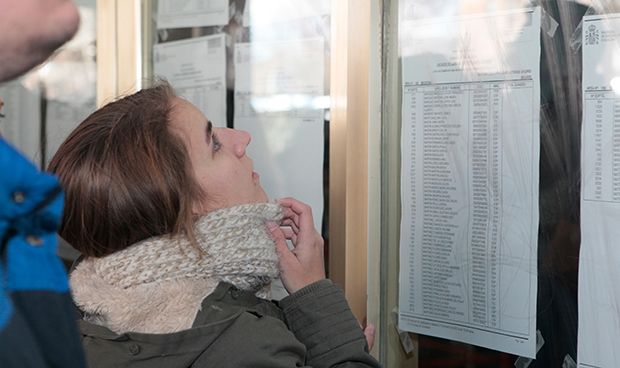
(304, 264)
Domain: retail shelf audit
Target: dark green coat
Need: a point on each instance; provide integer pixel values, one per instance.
(314, 327)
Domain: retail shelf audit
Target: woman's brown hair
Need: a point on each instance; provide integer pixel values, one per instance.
(126, 177)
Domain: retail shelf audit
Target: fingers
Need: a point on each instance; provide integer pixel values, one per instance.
(289, 234)
(299, 212)
(298, 216)
(287, 261)
(291, 224)
(279, 238)
(304, 264)
(302, 210)
(369, 333)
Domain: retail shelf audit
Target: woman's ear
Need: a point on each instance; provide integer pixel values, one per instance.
(198, 208)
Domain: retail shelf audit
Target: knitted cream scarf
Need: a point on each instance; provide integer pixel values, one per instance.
(157, 285)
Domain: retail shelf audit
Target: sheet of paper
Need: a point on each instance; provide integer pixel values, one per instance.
(196, 68)
(191, 13)
(258, 12)
(599, 259)
(21, 124)
(279, 100)
(469, 179)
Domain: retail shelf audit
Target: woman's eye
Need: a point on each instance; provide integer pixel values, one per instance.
(216, 143)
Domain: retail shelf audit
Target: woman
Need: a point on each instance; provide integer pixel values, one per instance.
(178, 244)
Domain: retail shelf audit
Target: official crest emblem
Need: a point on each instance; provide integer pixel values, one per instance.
(592, 35)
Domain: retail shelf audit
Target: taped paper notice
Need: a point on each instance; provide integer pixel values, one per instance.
(192, 13)
(576, 37)
(196, 68)
(599, 255)
(469, 178)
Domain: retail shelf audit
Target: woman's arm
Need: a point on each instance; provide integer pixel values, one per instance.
(316, 311)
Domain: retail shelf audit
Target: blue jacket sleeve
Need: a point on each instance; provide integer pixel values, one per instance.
(37, 319)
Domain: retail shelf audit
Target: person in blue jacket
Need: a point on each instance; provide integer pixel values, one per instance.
(37, 319)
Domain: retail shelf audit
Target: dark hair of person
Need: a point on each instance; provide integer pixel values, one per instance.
(126, 177)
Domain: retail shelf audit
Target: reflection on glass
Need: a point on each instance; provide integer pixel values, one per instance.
(47, 103)
(265, 12)
(278, 95)
(286, 102)
(560, 165)
(191, 13)
(196, 67)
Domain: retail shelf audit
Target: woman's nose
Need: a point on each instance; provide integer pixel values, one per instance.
(242, 139)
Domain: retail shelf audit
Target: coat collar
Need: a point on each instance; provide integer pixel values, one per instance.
(161, 307)
(224, 307)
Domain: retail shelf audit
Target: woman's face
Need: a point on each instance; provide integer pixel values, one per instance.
(218, 158)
